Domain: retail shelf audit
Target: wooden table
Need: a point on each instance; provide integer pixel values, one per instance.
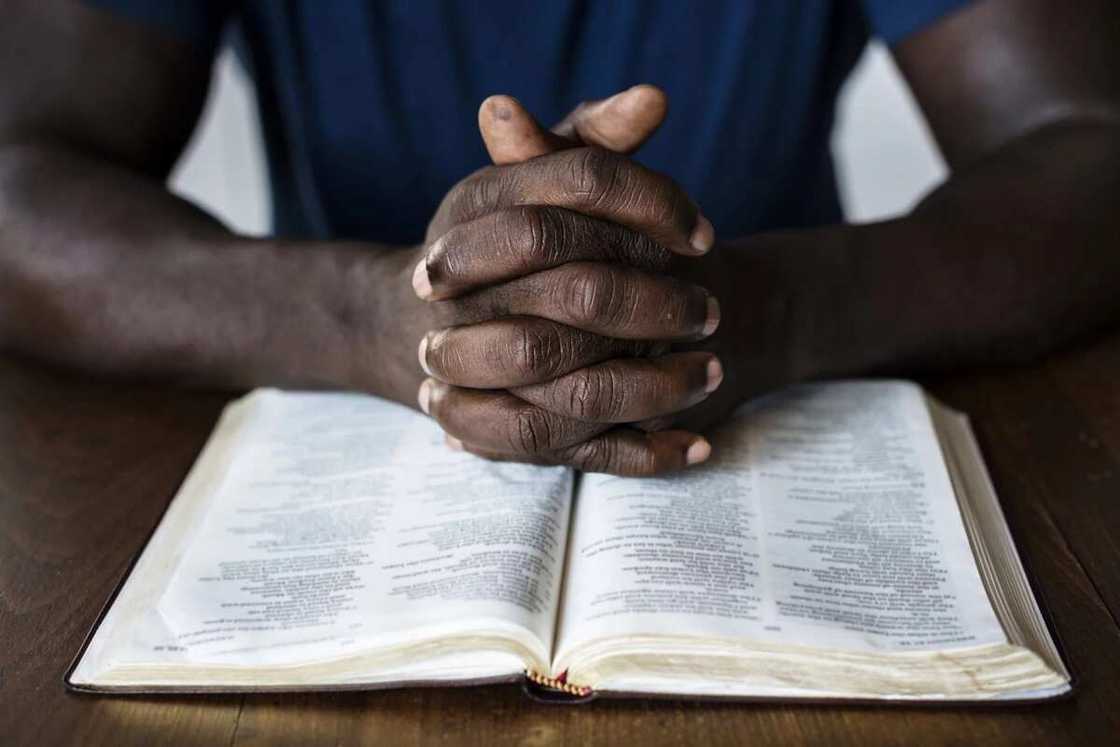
(87, 468)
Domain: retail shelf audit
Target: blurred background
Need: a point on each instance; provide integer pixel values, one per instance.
(883, 149)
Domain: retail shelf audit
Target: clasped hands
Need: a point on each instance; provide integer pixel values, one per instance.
(552, 276)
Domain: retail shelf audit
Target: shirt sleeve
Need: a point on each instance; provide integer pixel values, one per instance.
(894, 20)
(197, 21)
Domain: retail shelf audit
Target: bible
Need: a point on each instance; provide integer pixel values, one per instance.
(843, 542)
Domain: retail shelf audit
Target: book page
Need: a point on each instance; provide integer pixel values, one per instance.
(825, 519)
(343, 522)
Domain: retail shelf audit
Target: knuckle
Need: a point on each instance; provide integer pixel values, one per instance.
(479, 193)
(535, 237)
(488, 191)
(595, 394)
(643, 462)
(536, 351)
(598, 176)
(531, 431)
(593, 297)
(613, 455)
(596, 455)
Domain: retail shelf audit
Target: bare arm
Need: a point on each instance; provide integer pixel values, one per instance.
(103, 269)
(1019, 252)
(1016, 255)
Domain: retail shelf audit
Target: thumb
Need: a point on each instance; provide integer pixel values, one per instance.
(512, 135)
(620, 123)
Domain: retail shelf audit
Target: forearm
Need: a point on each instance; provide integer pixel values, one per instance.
(104, 270)
(1007, 261)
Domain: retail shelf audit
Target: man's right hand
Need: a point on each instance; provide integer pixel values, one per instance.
(102, 269)
(567, 248)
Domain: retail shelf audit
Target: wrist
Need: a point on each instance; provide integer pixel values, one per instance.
(383, 322)
(823, 274)
(763, 322)
(794, 299)
(845, 318)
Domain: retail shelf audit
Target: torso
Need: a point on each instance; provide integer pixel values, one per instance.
(370, 107)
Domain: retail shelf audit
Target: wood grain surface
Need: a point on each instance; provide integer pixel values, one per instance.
(87, 469)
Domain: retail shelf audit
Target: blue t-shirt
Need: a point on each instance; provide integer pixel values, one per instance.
(369, 107)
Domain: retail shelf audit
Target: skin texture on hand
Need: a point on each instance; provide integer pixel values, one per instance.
(570, 295)
(105, 271)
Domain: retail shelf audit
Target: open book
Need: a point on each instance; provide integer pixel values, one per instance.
(843, 542)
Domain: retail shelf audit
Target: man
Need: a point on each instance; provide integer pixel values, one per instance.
(569, 305)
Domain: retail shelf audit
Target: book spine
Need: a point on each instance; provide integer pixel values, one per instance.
(555, 689)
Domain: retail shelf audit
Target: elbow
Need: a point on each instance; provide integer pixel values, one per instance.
(34, 265)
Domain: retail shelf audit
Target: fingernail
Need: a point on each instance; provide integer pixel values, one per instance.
(420, 282)
(422, 354)
(424, 396)
(703, 235)
(711, 321)
(715, 375)
(454, 443)
(698, 451)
